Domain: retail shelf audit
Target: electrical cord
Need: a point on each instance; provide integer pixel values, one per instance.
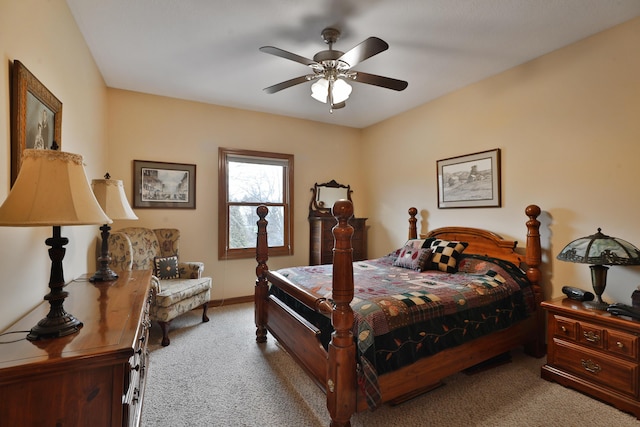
(13, 332)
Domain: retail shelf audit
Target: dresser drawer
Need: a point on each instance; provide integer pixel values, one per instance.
(596, 366)
(618, 343)
(564, 327)
(136, 370)
(622, 344)
(591, 335)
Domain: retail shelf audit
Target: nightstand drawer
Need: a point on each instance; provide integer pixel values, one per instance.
(565, 328)
(591, 335)
(595, 366)
(622, 344)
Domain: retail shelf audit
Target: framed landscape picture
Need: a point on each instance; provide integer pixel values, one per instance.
(470, 181)
(164, 185)
(36, 117)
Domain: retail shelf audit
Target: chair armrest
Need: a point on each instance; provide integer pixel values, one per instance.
(156, 288)
(190, 269)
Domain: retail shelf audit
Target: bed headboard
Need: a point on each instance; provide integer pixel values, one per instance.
(487, 243)
(481, 242)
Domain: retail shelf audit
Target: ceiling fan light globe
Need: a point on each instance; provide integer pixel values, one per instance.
(320, 90)
(341, 91)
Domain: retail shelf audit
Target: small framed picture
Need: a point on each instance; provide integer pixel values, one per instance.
(36, 117)
(470, 181)
(163, 185)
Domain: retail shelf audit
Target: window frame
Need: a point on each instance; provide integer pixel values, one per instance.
(224, 252)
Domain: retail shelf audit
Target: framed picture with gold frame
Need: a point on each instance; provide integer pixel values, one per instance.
(36, 116)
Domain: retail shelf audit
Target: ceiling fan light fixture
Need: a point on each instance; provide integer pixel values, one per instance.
(320, 90)
(341, 91)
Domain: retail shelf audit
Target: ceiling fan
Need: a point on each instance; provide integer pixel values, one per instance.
(332, 68)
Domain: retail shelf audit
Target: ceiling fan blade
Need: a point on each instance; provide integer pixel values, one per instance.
(386, 82)
(287, 55)
(283, 85)
(366, 49)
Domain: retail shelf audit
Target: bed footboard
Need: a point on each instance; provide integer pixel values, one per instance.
(335, 370)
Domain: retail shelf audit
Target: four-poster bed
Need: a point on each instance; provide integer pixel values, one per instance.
(338, 363)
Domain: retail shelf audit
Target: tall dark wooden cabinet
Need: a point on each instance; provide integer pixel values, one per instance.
(321, 222)
(321, 239)
(95, 377)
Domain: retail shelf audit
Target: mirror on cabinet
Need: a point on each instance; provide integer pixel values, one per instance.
(325, 195)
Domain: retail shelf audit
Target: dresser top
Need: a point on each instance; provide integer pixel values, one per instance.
(110, 313)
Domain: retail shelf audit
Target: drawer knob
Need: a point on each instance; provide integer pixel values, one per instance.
(591, 366)
(591, 337)
(563, 328)
(619, 344)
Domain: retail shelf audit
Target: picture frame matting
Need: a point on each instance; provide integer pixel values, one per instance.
(163, 185)
(470, 181)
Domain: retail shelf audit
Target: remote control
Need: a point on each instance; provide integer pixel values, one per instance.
(577, 294)
(619, 309)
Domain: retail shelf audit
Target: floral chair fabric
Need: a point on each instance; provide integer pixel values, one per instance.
(135, 248)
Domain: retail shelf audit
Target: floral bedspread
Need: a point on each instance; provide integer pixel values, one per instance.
(402, 315)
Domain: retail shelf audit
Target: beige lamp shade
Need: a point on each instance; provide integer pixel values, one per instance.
(111, 197)
(51, 189)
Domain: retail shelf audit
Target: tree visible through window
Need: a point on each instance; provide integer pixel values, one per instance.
(248, 179)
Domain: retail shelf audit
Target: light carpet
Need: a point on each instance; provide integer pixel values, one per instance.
(215, 374)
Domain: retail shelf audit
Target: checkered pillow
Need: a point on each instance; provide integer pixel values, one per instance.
(446, 254)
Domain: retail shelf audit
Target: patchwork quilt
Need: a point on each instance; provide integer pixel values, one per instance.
(402, 315)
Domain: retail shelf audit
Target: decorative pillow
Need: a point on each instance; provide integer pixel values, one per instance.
(446, 254)
(166, 267)
(424, 260)
(427, 242)
(413, 243)
(413, 258)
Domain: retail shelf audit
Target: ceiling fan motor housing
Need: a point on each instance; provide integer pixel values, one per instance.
(330, 35)
(327, 55)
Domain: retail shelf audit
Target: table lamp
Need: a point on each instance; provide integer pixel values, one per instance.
(52, 190)
(110, 195)
(600, 250)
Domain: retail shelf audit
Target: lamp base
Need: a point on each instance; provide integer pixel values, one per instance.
(101, 275)
(595, 305)
(104, 273)
(54, 327)
(58, 322)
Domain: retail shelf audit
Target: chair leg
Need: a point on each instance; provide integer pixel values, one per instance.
(165, 333)
(204, 312)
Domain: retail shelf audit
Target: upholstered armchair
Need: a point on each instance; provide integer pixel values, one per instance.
(177, 286)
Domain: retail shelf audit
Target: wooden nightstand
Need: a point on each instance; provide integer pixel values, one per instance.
(594, 352)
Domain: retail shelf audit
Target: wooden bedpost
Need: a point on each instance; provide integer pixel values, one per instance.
(262, 255)
(413, 230)
(341, 372)
(533, 258)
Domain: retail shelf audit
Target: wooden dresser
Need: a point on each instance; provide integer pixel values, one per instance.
(321, 239)
(594, 352)
(95, 377)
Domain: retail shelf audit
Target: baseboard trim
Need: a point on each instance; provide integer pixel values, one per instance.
(229, 301)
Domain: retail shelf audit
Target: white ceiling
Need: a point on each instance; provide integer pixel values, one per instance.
(207, 50)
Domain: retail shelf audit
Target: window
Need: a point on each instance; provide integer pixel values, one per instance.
(246, 180)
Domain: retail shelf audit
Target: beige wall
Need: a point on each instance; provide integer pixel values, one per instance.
(44, 37)
(146, 127)
(567, 124)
